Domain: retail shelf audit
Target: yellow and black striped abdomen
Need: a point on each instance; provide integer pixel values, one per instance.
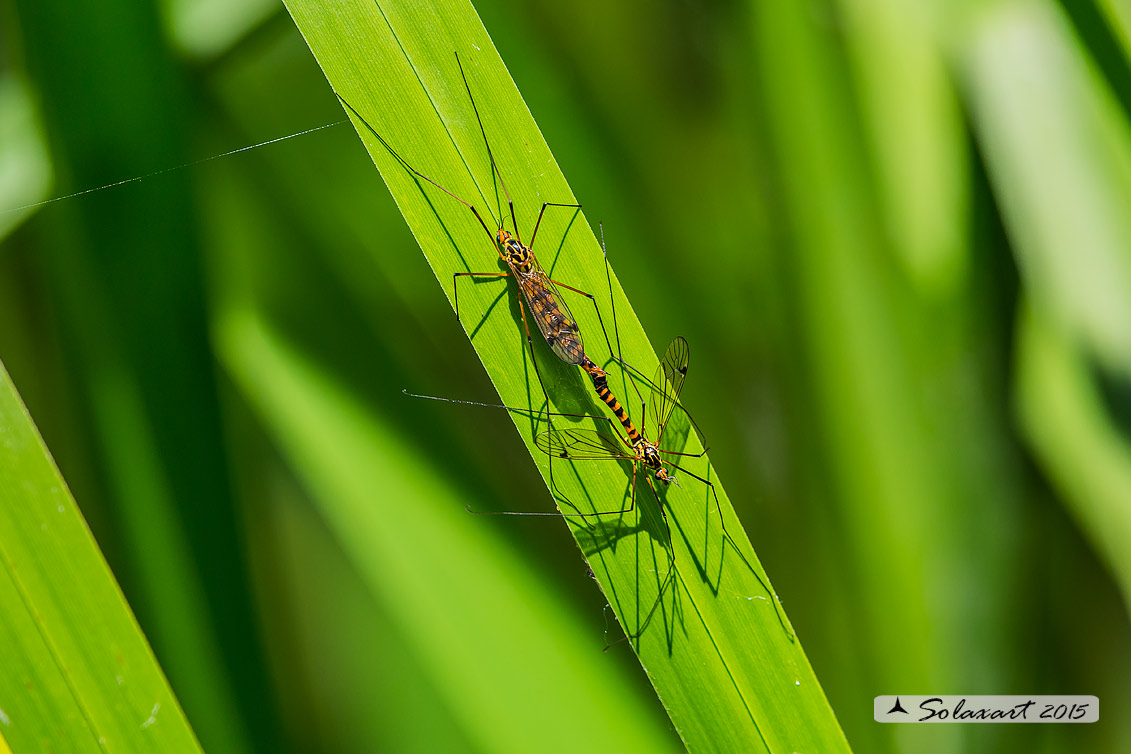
(611, 401)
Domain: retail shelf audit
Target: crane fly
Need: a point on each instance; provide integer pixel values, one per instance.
(608, 444)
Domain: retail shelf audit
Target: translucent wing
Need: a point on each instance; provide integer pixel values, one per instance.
(551, 314)
(581, 445)
(668, 384)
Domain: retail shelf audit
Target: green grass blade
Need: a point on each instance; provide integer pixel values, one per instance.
(1033, 93)
(77, 674)
(25, 168)
(912, 117)
(718, 652)
(124, 274)
(1057, 397)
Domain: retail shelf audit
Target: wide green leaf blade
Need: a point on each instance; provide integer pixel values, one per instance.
(77, 673)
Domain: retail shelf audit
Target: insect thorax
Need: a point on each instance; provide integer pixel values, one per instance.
(646, 449)
(514, 253)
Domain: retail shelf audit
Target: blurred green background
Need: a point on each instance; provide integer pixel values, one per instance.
(897, 236)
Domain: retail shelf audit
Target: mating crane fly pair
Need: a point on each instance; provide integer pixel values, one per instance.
(557, 325)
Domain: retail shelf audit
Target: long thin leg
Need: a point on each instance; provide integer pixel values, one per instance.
(557, 491)
(546, 395)
(677, 453)
(554, 487)
(614, 430)
(618, 512)
(632, 503)
(671, 551)
(612, 299)
(667, 577)
(510, 408)
(529, 341)
(619, 355)
(539, 220)
(530, 345)
(718, 506)
(456, 276)
(634, 373)
(553, 484)
(729, 538)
